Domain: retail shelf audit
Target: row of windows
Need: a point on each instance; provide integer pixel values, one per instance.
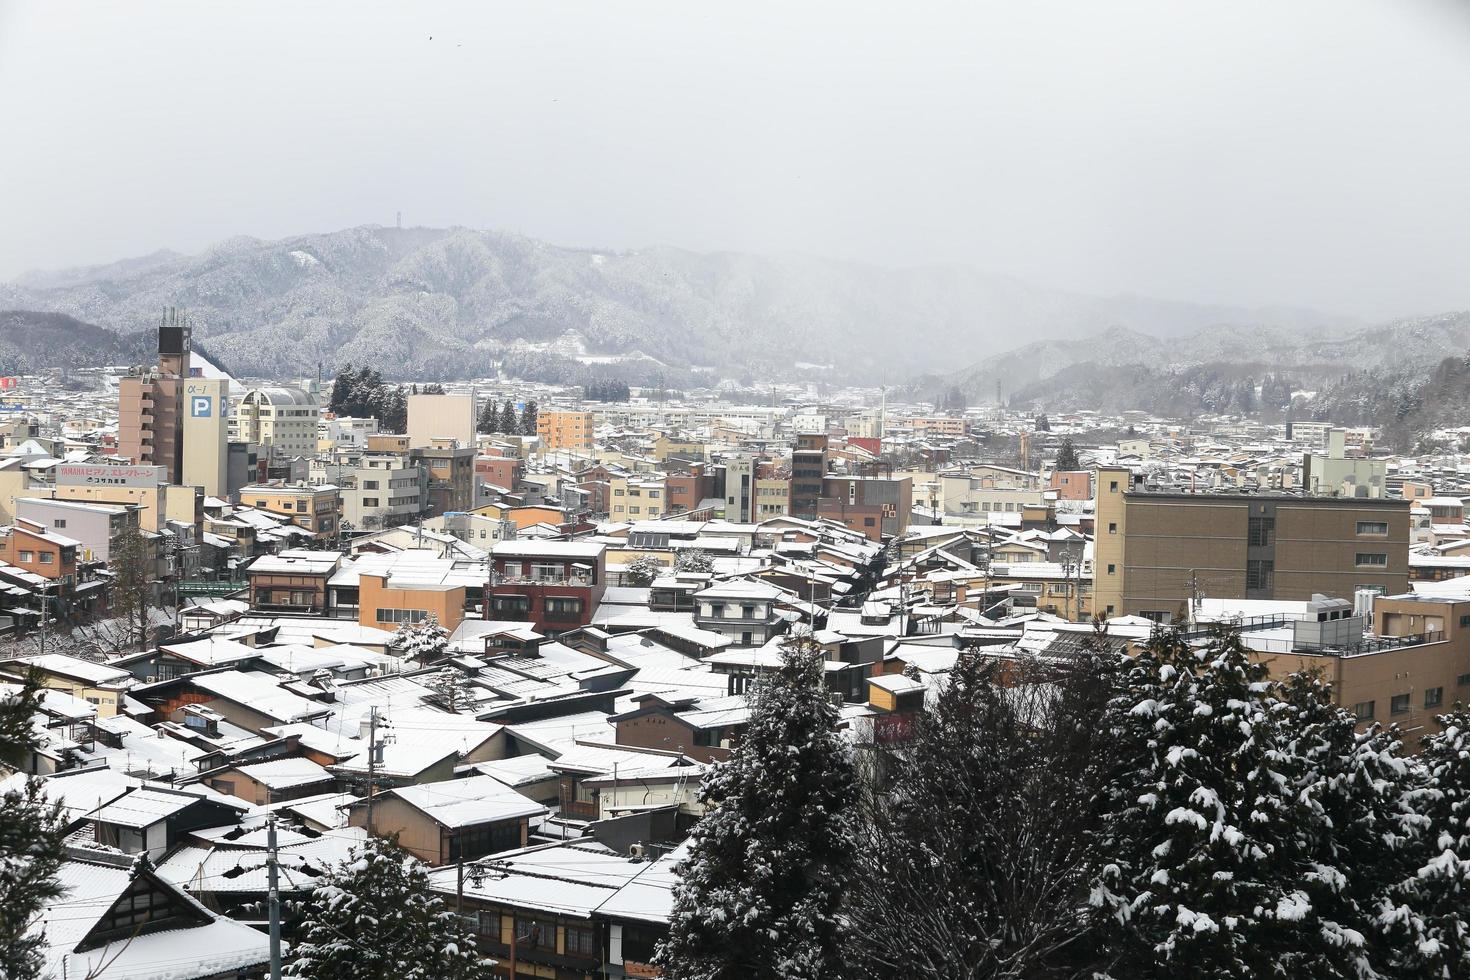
(1399, 704)
(401, 615)
(47, 557)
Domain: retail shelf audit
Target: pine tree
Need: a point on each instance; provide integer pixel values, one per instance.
(452, 689)
(486, 421)
(761, 890)
(528, 419)
(1204, 874)
(342, 391)
(1067, 457)
(375, 917)
(508, 424)
(694, 560)
(424, 641)
(641, 571)
(1358, 827)
(1432, 923)
(978, 861)
(31, 849)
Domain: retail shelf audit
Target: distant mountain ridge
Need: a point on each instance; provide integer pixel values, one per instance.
(450, 303)
(1118, 368)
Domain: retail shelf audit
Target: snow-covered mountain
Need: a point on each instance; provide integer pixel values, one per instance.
(422, 302)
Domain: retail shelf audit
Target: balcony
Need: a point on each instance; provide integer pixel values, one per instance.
(564, 581)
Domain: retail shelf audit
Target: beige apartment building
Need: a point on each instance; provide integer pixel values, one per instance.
(315, 508)
(169, 418)
(1416, 666)
(432, 417)
(284, 418)
(1154, 550)
(633, 499)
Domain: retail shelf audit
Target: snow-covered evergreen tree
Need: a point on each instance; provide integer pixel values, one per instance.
(641, 571)
(1205, 872)
(1357, 828)
(528, 419)
(424, 641)
(486, 420)
(694, 560)
(374, 917)
(977, 862)
(452, 689)
(31, 833)
(1432, 923)
(761, 891)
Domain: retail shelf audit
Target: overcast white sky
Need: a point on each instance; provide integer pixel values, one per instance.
(1311, 152)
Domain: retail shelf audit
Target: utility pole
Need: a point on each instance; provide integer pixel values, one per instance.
(275, 896)
(372, 764)
(44, 587)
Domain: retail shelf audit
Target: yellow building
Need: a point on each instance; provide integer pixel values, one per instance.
(103, 686)
(632, 499)
(565, 430)
(314, 508)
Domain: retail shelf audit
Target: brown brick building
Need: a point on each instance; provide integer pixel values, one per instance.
(1154, 549)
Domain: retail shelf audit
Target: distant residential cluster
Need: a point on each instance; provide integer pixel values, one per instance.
(519, 630)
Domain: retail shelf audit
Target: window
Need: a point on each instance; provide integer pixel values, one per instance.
(1463, 680)
(1398, 704)
(300, 506)
(490, 839)
(370, 501)
(536, 933)
(1259, 531)
(1112, 528)
(547, 572)
(868, 522)
(1433, 697)
(401, 615)
(1465, 621)
(370, 484)
(1259, 574)
(48, 558)
(1113, 485)
(560, 607)
(510, 606)
(60, 522)
(581, 942)
(1112, 569)
(27, 556)
(1363, 710)
(1375, 528)
(1371, 558)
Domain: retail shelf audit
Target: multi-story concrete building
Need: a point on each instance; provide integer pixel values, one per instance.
(1155, 550)
(1335, 474)
(878, 507)
(378, 489)
(808, 469)
(740, 488)
(149, 404)
(169, 417)
(451, 473)
(556, 585)
(436, 417)
(283, 418)
(94, 527)
(633, 498)
(566, 430)
(313, 507)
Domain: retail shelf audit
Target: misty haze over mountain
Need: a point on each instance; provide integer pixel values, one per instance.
(430, 303)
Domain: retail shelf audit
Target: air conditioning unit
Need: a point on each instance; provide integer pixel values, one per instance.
(637, 852)
(150, 679)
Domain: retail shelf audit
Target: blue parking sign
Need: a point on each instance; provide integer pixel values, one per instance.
(201, 406)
